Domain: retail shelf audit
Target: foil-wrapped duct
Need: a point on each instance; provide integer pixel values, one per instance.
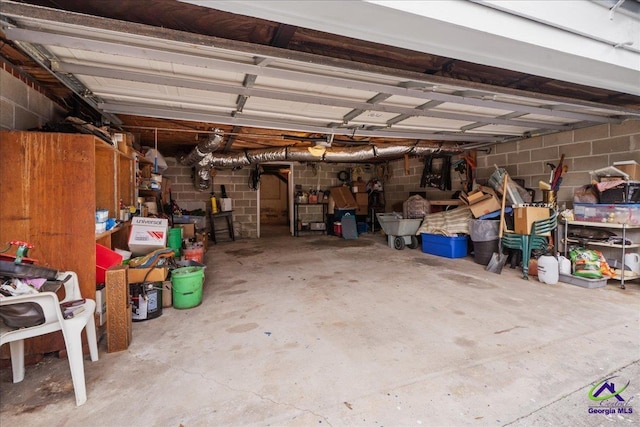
(302, 154)
(204, 148)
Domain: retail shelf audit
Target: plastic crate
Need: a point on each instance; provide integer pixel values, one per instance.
(105, 258)
(607, 213)
(449, 247)
(583, 281)
(199, 221)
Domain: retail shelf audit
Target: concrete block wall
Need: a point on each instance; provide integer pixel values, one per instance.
(584, 149)
(23, 104)
(245, 200)
(187, 196)
(401, 184)
(313, 176)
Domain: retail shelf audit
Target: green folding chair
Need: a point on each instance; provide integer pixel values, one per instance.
(537, 239)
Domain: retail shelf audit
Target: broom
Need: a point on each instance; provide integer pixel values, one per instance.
(499, 259)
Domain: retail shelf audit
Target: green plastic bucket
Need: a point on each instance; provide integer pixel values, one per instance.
(186, 284)
(174, 240)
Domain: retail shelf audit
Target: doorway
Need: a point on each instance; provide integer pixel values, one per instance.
(275, 200)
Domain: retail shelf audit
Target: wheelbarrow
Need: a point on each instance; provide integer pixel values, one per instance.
(400, 232)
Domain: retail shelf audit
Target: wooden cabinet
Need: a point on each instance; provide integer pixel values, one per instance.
(51, 184)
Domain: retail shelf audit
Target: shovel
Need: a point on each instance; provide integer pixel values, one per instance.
(499, 259)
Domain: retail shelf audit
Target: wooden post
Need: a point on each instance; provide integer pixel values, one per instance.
(119, 334)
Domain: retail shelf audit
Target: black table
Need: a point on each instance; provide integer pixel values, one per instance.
(228, 215)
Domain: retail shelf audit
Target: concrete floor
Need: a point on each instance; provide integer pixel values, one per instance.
(323, 331)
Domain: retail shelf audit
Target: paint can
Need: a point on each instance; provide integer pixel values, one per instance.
(146, 300)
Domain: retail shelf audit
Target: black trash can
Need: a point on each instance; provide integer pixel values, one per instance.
(484, 236)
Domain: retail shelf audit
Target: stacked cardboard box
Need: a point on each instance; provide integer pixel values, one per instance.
(481, 201)
(523, 218)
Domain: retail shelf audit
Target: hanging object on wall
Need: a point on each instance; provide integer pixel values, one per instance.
(254, 178)
(201, 179)
(437, 172)
(344, 176)
(357, 173)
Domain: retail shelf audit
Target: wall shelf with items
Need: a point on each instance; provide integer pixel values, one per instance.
(154, 193)
(614, 248)
(317, 220)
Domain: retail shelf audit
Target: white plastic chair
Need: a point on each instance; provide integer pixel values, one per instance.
(55, 321)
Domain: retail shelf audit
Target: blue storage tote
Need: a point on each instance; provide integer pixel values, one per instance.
(450, 247)
(338, 213)
(362, 227)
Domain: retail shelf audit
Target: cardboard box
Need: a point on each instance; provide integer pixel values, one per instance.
(362, 199)
(188, 230)
(226, 205)
(119, 323)
(359, 187)
(167, 294)
(524, 217)
(124, 141)
(198, 220)
(610, 171)
(481, 201)
(203, 237)
(147, 235)
(610, 178)
(343, 198)
(317, 226)
(630, 167)
(137, 275)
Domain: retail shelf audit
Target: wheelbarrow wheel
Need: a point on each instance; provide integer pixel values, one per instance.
(414, 243)
(398, 243)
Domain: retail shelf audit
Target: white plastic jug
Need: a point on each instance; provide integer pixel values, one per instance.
(548, 271)
(632, 260)
(564, 265)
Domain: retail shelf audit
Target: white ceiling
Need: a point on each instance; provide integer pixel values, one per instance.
(169, 74)
(577, 41)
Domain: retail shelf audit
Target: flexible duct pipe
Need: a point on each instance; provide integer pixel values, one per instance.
(301, 154)
(209, 146)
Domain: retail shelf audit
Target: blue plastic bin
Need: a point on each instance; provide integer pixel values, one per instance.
(449, 247)
(362, 227)
(338, 213)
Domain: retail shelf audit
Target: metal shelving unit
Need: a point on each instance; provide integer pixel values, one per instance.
(296, 216)
(624, 275)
